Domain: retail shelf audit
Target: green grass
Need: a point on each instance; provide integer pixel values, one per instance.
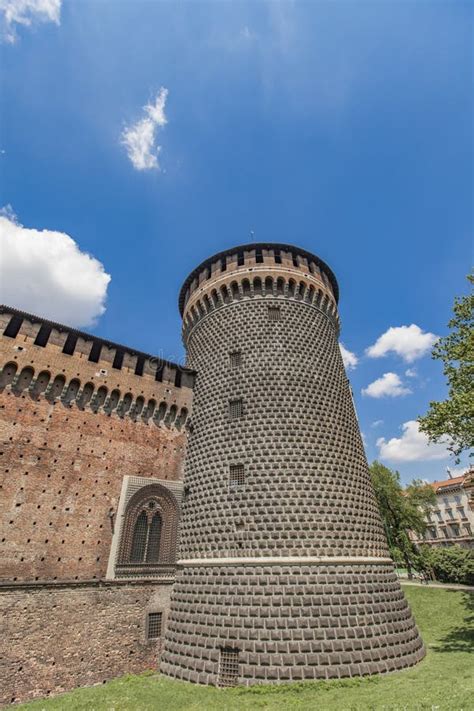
(444, 680)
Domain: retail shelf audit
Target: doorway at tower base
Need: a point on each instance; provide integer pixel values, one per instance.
(242, 624)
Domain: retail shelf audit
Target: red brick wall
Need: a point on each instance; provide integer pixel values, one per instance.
(61, 474)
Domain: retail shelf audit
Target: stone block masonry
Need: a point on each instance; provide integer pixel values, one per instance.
(285, 571)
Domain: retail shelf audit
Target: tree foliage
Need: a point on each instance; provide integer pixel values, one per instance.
(401, 510)
(454, 417)
(452, 564)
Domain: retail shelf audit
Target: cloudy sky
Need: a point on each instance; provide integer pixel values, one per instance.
(137, 138)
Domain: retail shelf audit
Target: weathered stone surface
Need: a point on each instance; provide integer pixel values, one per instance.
(305, 492)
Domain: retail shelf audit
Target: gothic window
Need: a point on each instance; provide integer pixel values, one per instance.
(148, 539)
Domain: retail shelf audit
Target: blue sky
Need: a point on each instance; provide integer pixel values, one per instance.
(342, 127)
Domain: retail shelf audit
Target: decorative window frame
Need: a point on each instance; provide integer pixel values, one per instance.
(137, 492)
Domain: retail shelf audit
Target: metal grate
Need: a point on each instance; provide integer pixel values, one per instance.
(274, 313)
(140, 532)
(235, 359)
(154, 539)
(228, 667)
(236, 475)
(154, 624)
(235, 409)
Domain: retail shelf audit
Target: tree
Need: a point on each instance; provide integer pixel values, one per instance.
(454, 418)
(450, 565)
(401, 511)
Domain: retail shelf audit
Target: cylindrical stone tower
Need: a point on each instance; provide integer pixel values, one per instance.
(285, 571)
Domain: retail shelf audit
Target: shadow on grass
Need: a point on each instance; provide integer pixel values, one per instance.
(460, 639)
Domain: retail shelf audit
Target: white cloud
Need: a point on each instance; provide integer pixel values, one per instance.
(139, 139)
(349, 359)
(412, 446)
(389, 385)
(377, 423)
(409, 342)
(46, 273)
(411, 373)
(27, 13)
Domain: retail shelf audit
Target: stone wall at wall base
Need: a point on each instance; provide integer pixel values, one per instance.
(290, 623)
(57, 638)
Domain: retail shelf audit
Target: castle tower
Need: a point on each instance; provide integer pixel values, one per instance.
(285, 571)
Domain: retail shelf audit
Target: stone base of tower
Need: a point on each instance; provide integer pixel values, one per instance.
(254, 624)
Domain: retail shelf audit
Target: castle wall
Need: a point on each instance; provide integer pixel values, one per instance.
(71, 429)
(67, 636)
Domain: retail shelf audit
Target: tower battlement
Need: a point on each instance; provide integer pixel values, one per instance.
(269, 270)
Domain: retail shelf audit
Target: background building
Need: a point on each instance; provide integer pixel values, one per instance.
(451, 521)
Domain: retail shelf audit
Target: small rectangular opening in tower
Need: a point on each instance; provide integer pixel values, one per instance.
(235, 359)
(228, 667)
(223, 264)
(277, 256)
(235, 409)
(295, 260)
(274, 313)
(154, 625)
(43, 335)
(13, 327)
(236, 475)
(258, 256)
(240, 259)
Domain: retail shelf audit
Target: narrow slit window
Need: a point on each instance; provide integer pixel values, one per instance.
(235, 409)
(224, 264)
(295, 260)
(274, 313)
(277, 256)
(154, 625)
(43, 335)
(240, 259)
(258, 256)
(235, 359)
(177, 378)
(228, 667)
(70, 344)
(236, 475)
(13, 327)
(159, 372)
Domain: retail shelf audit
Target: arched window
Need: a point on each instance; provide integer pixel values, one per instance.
(148, 540)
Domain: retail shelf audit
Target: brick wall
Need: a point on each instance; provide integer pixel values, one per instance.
(58, 638)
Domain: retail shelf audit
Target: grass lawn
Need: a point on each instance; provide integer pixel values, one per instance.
(443, 680)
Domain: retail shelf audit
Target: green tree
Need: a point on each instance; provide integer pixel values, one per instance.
(454, 417)
(450, 565)
(401, 510)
